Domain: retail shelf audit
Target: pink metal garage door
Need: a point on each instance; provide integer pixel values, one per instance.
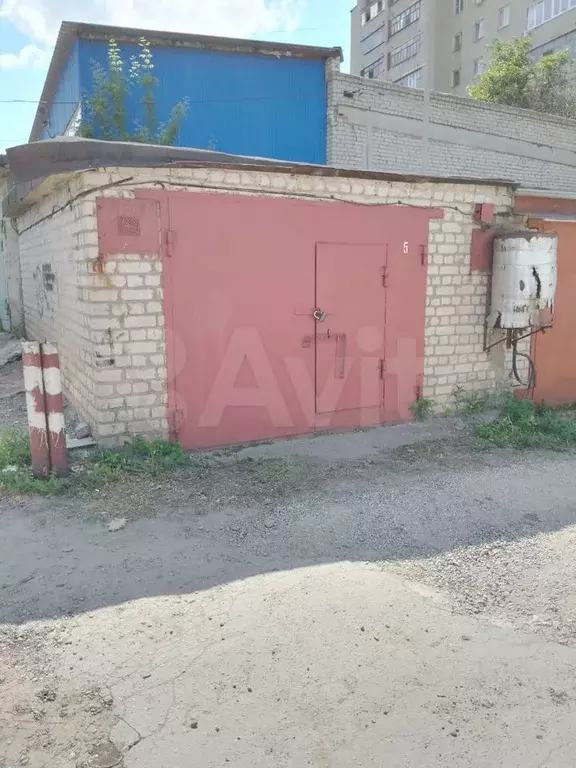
(349, 337)
(287, 316)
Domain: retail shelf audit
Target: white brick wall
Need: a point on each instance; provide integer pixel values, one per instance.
(54, 268)
(378, 126)
(106, 317)
(128, 338)
(109, 322)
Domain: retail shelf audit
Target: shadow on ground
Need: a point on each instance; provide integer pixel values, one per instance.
(207, 526)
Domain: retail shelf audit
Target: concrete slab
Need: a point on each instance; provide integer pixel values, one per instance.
(339, 446)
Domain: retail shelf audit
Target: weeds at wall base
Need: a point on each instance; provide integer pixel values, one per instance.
(138, 457)
(422, 408)
(475, 402)
(523, 425)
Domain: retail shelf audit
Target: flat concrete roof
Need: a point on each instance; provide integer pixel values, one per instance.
(31, 163)
(71, 31)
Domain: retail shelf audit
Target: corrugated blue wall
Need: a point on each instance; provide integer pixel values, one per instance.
(257, 105)
(66, 97)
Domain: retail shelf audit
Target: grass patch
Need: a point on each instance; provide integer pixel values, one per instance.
(139, 457)
(14, 449)
(143, 463)
(524, 425)
(23, 482)
(15, 473)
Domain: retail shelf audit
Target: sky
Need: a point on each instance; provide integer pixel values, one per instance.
(28, 30)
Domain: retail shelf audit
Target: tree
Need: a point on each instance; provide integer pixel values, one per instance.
(105, 111)
(515, 79)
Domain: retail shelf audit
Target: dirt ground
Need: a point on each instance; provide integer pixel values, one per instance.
(383, 598)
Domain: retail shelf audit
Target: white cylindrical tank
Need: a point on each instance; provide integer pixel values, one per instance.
(523, 280)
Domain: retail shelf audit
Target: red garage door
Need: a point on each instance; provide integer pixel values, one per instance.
(286, 316)
(553, 351)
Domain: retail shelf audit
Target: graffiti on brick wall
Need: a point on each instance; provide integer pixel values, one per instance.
(45, 288)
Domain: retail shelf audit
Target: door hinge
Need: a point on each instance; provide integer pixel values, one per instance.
(384, 273)
(382, 367)
(423, 254)
(418, 392)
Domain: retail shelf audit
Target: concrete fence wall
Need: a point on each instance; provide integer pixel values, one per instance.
(379, 126)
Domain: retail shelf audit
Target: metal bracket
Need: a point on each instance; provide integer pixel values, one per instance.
(507, 339)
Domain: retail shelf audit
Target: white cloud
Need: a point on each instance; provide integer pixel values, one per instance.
(40, 19)
(29, 56)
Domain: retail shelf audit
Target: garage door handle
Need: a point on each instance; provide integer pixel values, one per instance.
(340, 362)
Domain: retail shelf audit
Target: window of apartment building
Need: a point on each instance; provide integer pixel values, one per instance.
(374, 70)
(457, 42)
(405, 18)
(543, 11)
(372, 11)
(455, 79)
(373, 40)
(458, 6)
(504, 17)
(404, 52)
(411, 80)
(479, 66)
(478, 32)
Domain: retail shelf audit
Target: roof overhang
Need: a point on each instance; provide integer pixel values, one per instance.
(31, 164)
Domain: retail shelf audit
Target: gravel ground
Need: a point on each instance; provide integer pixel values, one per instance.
(387, 597)
(529, 584)
(12, 397)
(373, 606)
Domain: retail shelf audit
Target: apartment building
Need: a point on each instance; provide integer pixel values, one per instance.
(395, 40)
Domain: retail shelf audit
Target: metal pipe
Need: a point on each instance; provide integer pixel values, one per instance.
(54, 409)
(36, 408)
(428, 25)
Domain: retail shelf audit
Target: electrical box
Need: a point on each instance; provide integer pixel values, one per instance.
(523, 280)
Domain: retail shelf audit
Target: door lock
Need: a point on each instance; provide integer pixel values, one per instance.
(319, 315)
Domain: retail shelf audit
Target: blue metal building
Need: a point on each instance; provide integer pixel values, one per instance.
(244, 97)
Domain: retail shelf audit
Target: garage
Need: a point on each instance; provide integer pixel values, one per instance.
(286, 316)
(218, 300)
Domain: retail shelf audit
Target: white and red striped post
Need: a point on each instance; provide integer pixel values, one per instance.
(44, 403)
(36, 408)
(54, 408)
